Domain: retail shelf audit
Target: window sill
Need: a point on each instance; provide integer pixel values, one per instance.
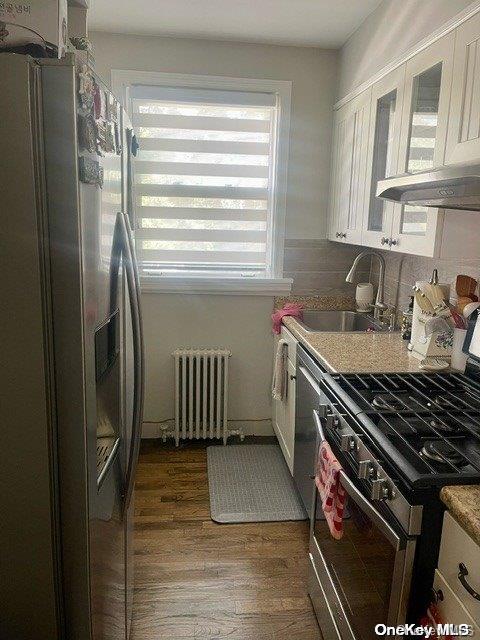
(225, 286)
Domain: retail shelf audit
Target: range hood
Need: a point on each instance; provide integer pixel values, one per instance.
(454, 187)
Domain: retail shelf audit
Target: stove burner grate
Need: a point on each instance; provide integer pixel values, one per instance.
(388, 401)
(442, 452)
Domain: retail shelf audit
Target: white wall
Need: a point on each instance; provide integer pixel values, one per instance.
(394, 27)
(240, 323)
(312, 71)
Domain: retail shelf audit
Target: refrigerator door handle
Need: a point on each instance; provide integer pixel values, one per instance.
(133, 283)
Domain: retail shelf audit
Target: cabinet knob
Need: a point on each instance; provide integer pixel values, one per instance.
(343, 235)
(337, 235)
(292, 377)
(384, 241)
(392, 242)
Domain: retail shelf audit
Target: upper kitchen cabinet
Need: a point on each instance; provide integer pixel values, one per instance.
(423, 133)
(347, 192)
(463, 139)
(382, 156)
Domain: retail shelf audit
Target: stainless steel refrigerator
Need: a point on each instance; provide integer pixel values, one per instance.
(71, 354)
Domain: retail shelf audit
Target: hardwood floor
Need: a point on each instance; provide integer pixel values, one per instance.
(198, 579)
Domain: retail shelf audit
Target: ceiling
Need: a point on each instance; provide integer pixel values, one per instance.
(321, 23)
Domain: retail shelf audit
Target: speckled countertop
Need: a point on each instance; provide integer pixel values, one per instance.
(356, 352)
(338, 302)
(463, 502)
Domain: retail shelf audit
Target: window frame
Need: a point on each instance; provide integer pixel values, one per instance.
(273, 283)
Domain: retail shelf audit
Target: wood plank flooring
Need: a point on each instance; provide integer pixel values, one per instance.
(198, 579)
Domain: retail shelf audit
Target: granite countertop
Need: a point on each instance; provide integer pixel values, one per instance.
(376, 352)
(463, 502)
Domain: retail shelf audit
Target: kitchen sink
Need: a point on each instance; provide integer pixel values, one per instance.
(341, 321)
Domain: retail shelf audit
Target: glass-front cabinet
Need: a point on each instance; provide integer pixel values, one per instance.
(419, 116)
(382, 155)
(428, 80)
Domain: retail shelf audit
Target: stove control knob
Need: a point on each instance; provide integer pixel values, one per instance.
(381, 490)
(347, 443)
(332, 421)
(366, 470)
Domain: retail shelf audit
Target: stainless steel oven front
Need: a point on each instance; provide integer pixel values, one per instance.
(364, 578)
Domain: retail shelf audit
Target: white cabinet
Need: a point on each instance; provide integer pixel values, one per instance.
(450, 607)
(347, 191)
(399, 125)
(283, 414)
(458, 548)
(382, 156)
(463, 139)
(428, 80)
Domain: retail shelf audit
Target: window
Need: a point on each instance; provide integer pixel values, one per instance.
(209, 185)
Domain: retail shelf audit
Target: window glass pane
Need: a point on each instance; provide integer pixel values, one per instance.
(382, 156)
(198, 245)
(203, 181)
(424, 119)
(195, 134)
(210, 111)
(204, 158)
(221, 225)
(202, 203)
(414, 220)
(230, 150)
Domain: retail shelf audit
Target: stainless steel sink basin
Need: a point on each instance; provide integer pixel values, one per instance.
(341, 321)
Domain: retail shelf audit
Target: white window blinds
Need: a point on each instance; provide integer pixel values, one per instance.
(204, 180)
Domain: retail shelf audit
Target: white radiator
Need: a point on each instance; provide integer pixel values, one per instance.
(201, 394)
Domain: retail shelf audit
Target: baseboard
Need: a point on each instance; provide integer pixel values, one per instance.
(248, 427)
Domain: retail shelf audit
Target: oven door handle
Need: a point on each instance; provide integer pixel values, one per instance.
(318, 423)
(366, 506)
(310, 378)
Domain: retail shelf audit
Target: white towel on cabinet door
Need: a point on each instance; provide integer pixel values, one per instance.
(279, 382)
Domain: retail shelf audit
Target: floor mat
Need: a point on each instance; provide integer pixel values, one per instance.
(251, 483)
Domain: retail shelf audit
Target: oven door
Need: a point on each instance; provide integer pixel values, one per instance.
(363, 579)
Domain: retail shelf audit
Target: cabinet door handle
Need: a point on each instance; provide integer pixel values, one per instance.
(343, 235)
(462, 574)
(337, 235)
(292, 377)
(384, 241)
(392, 242)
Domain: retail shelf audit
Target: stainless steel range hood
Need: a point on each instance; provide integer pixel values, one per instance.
(455, 187)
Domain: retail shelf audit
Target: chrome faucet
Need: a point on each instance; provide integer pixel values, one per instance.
(379, 308)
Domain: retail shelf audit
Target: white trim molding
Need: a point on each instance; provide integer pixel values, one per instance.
(225, 286)
(123, 80)
(447, 27)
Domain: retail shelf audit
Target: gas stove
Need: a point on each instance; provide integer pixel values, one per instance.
(398, 438)
(425, 426)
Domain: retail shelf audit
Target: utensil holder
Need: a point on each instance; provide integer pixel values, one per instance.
(438, 344)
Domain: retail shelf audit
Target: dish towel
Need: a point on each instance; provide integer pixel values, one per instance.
(332, 494)
(279, 382)
(289, 309)
(433, 619)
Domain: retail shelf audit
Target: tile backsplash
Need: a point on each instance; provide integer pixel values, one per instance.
(319, 267)
(403, 270)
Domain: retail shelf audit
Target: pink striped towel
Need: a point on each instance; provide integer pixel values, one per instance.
(332, 494)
